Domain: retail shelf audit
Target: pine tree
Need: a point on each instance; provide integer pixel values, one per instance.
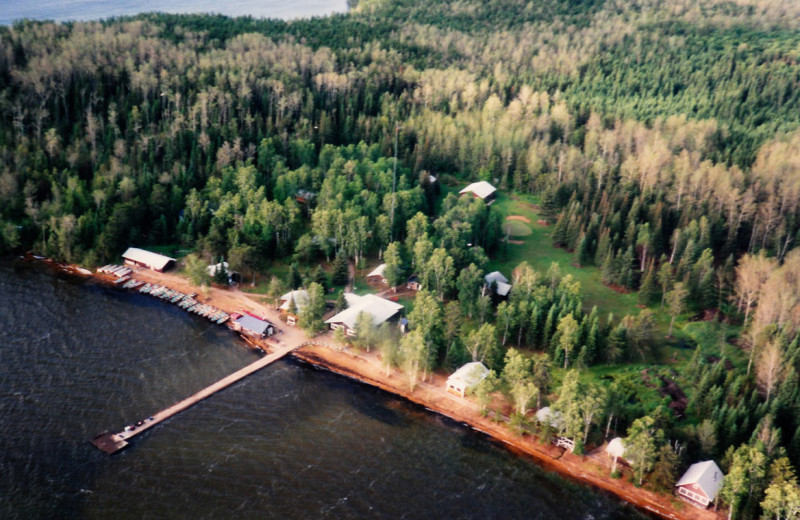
(295, 280)
(560, 231)
(609, 269)
(340, 270)
(648, 288)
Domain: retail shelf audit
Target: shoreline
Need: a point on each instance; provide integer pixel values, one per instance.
(366, 368)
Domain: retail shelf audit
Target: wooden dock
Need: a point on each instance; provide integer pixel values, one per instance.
(114, 442)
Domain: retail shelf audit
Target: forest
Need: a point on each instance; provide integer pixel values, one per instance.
(656, 139)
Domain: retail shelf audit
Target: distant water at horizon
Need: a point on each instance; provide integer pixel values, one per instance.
(83, 10)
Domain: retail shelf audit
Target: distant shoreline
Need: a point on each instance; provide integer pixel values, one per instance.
(366, 368)
(96, 10)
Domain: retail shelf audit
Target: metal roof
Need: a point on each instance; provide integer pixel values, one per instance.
(378, 271)
(469, 375)
(705, 475)
(381, 309)
(503, 287)
(154, 260)
(253, 324)
(300, 298)
(482, 189)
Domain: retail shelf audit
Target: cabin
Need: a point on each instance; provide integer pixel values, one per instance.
(376, 275)
(253, 326)
(300, 300)
(140, 258)
(500, 281)
(466, 377)
(480, 190)
(233, 276)
(381, 309)
(700, 484)
(413, 283)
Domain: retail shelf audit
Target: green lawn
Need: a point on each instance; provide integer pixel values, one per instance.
(538, 250)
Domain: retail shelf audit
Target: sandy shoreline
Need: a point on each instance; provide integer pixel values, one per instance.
(592, 469)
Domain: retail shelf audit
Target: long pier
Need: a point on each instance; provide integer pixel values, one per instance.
(114, 442)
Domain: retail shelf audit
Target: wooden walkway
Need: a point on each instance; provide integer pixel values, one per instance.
(113, 442)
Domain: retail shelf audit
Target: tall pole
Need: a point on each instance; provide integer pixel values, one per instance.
(394, 177)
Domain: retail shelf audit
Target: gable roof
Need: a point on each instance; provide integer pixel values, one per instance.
(378, 271)
(253, 324)
(381, 309)
(503, 287)
(300, 298)
(469, 375)
(706, 475)
(481, 189)
(149, 258)
(495, 276)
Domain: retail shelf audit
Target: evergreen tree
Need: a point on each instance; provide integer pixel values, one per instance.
(340, 270)
(295, 279)
(648, 288)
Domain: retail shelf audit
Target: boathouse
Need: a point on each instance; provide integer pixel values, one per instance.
(381, 310)
(141, 258)
(376, 276)
(700, 484)
(480, 190)
(253, 326)
(466, 377)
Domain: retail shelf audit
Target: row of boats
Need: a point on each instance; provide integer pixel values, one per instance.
(184, 301)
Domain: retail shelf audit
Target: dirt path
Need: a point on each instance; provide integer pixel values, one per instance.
(351, 277)
(368, 368)
(519, 217)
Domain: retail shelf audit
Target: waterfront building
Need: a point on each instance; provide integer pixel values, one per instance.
(381, 310)
(700, 484)
(141, 258)
(466, 377)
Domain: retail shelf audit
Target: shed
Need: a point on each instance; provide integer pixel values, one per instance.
(466, 377)
(141, 258)
(254, 326)
(233, 276)
(376, 275)
(480, 190)
(701, 483)
(413, 283)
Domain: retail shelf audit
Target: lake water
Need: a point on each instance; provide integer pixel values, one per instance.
(64, 10)
(288, 442)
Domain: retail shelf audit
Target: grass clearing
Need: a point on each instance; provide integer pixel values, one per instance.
(516, 228)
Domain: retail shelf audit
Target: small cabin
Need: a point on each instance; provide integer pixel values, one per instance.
(381, 310)
(500, 282)
(480, 190)
(377, 275)
(413, 283)
(466, 377)
(700, 484)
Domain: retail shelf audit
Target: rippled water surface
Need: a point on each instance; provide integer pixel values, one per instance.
(65, 10)
(287, 442)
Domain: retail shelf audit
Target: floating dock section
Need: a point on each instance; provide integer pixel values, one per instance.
(114, 442)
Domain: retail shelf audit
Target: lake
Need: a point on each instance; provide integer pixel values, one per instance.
(65, 10)
(290, 441)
